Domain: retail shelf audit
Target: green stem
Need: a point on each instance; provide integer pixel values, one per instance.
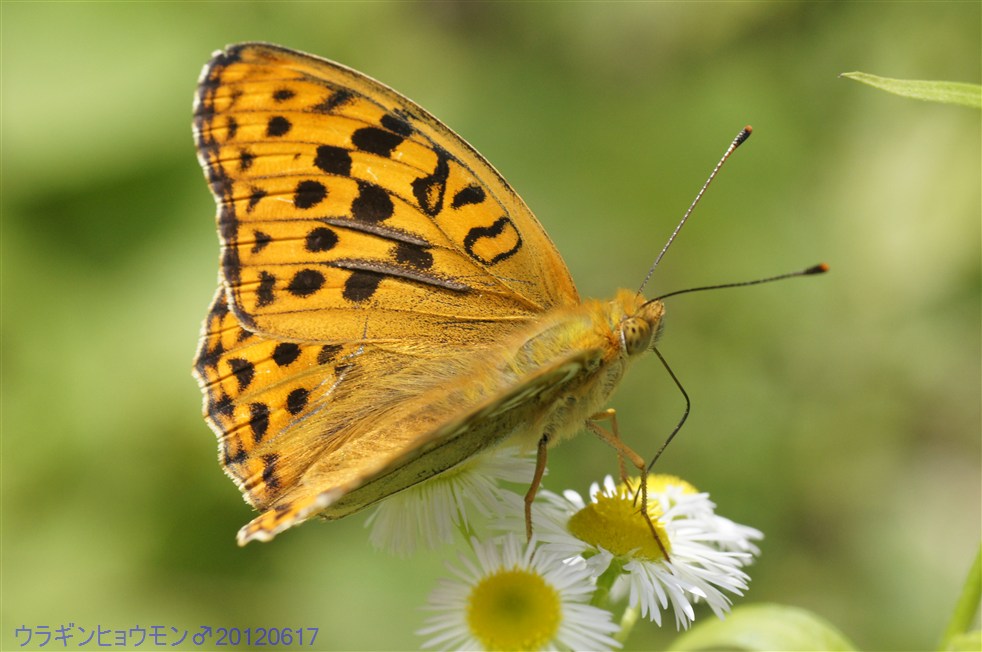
(627, 624)
(601, 595)
(967, 605)
(601, 599)
(466, 531)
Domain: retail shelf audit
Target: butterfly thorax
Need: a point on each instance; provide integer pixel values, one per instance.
(594, 342)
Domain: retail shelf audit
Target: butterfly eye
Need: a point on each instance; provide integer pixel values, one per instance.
(635, 335)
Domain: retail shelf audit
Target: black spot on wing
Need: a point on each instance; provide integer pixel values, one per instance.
(243, 370)
(258, 420)
(305, 282)
(361, 285)
(333, 160)
(396, 124)
(413, 255)
(260, 241)
(231, 459)
(296, 401)
(254, 198)
(221, 407)
(321, 239)
(327, 353)
(220, 308)
(333, 101)
(269, 470)
(286, 353)
(492, 241)
(264, 293)
(372, 204)
(309, 193)
(376, 141)
(210, 357)
(278, 126)
(246, 159)
(429, 190)
(468, 195)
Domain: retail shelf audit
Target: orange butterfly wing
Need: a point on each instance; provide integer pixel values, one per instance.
(359, 234)
(343, 205)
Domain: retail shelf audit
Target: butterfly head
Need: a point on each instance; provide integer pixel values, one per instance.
(637, 322)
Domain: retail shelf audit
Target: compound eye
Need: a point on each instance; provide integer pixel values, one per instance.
(636, 335)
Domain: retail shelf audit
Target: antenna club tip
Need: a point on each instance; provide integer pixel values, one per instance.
(820, 268)
(743, 135)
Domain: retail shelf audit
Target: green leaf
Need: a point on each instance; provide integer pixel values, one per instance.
(932, 91)
(967, 642)
(963, 615)
(764, 627)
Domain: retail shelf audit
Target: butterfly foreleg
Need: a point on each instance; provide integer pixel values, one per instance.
(612, 438)
(610, 414)
(540, 469)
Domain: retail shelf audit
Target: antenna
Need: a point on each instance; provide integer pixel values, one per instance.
(820, 268)
(739, 140)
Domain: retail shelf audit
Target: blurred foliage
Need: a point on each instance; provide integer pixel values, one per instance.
(943, 92)
(963, 627)
(763, 628)
(839, 414)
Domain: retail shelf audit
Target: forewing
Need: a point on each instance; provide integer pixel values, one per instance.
(346, 212)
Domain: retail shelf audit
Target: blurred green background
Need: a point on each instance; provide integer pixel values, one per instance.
(840, 414)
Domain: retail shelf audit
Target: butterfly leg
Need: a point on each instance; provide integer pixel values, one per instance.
(610, 414)
(612, 438)
(540, 469)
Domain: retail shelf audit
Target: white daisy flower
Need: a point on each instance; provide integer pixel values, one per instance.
(517, 597)
(428, 514)
(705, 552)
(721, 531)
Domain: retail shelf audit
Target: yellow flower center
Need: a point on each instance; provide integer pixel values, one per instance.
(660, 482)
(514, 610)
(616, 524)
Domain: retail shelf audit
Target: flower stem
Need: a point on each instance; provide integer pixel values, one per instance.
(968, 603)
(627, 624)
(467, 532)
(601, 599)
(601, 595)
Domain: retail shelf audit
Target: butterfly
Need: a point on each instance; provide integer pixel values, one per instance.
(387, 306)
